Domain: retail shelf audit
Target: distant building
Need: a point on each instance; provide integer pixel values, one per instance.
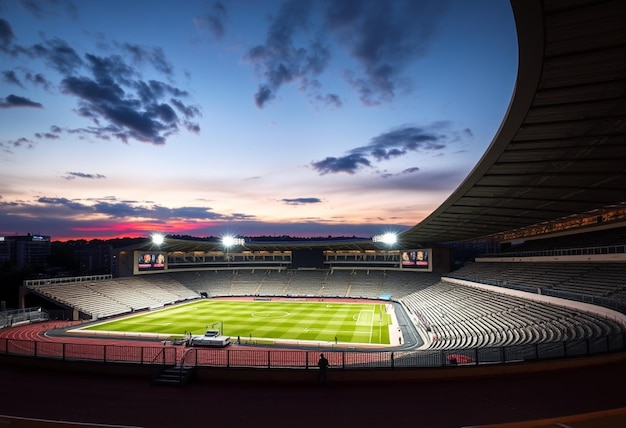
(23, 251)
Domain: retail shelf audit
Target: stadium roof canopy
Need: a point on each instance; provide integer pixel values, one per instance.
(561, 148)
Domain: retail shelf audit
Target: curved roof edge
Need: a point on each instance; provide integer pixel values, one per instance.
(530, 39)
(559, 151)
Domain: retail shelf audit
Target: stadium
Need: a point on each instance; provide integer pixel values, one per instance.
(530, 332)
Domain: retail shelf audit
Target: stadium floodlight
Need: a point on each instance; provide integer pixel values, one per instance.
(231, 241)
(388, 238)
(158, 238)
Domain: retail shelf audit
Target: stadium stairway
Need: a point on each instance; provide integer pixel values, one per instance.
(178, 375)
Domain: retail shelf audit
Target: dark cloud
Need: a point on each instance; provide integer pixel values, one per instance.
(57, 54)
(42, 9)
(63, 218)
(110, 69)
(384, 38)
(110, 91)
(120, 210)
(153, 90)
(281, 61)
(125, 108)
(75, 206)
(398, 142)
(348, 164)
(105, 99)
(410, 170)
(331, 100)
(13, 101)
(188, 111)
(73, 175)
(6, 35)
(47, 135)
(8, 146)
(301, 201)
(151, 55)
(263, 95)
(402, 140)
(10, 77)
(185, 213)
(38, 79)
(213, 21)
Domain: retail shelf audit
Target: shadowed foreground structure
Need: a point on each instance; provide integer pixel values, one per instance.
(119, 400)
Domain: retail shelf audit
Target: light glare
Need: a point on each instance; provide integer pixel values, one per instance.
(230, 241)
(388, 238)
(157, 238)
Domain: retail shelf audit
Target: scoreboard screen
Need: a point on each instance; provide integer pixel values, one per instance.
(416, 259)
(150, 261)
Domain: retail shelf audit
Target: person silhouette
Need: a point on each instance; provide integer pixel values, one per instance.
(323, 365)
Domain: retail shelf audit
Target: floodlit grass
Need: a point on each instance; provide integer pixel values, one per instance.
(356, 323)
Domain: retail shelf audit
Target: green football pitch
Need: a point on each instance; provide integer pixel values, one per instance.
(263, 321)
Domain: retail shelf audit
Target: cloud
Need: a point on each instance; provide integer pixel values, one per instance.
(281, 61)
(348, 164)
(129, 108)
(112, 208)
(47, 135)
(213, 21)
(13, 101)
(41, 9)
(38, 79)
(301, 201)
(394, 143)
(410, 170)
(404, 139)
(10, 77)
(6, 35)
(153, 56)
(384, 38)
(65, 218)
(8, 146)
(73, 175)
(111, 92)
(56, 53)
(330, 100)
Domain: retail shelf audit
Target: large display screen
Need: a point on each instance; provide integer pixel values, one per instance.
(415, 259)
(150, 261)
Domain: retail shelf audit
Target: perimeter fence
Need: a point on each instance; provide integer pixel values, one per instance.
(305, 359)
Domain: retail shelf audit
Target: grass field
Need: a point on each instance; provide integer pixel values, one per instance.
(356, 323)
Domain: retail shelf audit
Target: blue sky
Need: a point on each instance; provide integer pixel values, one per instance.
(298, 117)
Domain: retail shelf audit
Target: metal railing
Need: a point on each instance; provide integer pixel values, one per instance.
(16, 316)
(306, 359)
(560, 252)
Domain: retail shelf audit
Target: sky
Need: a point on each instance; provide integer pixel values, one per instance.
(248, 117)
